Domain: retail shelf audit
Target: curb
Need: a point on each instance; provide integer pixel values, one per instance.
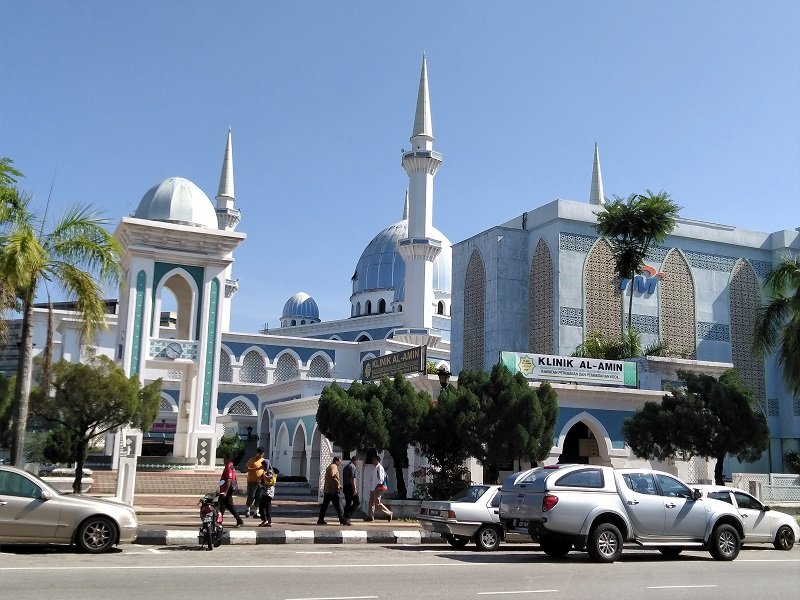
(183, 537)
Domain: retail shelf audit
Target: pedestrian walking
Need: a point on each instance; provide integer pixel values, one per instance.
(227, 485)
(350, 487)
(266, 493)
(331, 488)
(255, 470)
(379, 485)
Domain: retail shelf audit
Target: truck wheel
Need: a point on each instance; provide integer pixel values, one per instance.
(605, 543)
(725, 542)
(555, 548)
(455, 541)
(784, 539)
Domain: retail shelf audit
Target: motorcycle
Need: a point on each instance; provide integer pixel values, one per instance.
(211, 517)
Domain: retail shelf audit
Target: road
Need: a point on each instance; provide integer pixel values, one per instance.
(305, 572)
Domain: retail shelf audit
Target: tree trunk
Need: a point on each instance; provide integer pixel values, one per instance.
(401, 483)
(22, 389)
(80, 457)
(630, 300)
(492, 473)
(718, 470)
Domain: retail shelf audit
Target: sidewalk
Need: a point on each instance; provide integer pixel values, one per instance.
(175, 520)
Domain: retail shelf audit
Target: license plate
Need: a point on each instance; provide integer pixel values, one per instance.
(521, 524)
(208, 519)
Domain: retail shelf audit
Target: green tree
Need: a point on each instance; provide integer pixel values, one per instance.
(778, 323)
(231, 445)
(6, 399)
(54, 446)
(792, 459)
(8, 201)
(404, 409)
(353, 419)
(78, 255)
(633, 225)
(597, 345)
(709, 417)
(92, 398)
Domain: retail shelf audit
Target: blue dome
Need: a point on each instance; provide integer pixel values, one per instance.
(381, 267)
(301, 305)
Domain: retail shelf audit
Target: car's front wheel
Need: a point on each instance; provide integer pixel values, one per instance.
(456, 541)
(96, 535)
(605, 543)
(784, 539)
(488, 537)
(725, 542)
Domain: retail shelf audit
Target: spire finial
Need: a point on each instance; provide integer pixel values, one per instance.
(226, 176)
(422, 118)
(596, 192)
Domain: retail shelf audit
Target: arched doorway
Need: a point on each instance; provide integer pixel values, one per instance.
(299, 454)
(265, 435)
(580, 446)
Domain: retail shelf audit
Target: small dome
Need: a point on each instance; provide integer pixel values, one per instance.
(178, 200)
(381, 267)
(301, 306)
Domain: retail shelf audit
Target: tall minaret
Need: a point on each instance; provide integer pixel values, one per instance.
(419, 250)
(596, 193)
(228, 218)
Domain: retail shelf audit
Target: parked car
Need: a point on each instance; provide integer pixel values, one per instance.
(32, 512)
(601, 508)
(761, 523)
(470, 515)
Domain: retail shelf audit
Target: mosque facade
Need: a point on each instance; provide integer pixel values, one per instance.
(538, 284)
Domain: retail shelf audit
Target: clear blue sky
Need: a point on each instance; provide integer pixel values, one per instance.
(701, 99)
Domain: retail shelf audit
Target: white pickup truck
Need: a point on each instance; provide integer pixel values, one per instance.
(602, 508)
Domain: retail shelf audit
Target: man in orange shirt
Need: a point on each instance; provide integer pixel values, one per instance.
(255, 469)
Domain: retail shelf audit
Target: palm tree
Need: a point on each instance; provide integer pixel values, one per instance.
(633, 225)
(778, 323)
(78, 255)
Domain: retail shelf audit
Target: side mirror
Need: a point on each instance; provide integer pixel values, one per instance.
(45, 495)
(697, 494)
(766, 508)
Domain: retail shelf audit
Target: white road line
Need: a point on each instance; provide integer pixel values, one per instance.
(314, 552)
(335, 598)
(673, 587)
(155, 550)
(515, 592)
(209, 567)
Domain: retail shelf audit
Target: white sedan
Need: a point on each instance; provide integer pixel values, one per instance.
(761, 524)
(470, 515)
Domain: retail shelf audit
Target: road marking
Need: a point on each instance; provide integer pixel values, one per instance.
(335, 598)
(672, 587)
(209, 567)
(314, 552)
(516, 592)
(154, 550)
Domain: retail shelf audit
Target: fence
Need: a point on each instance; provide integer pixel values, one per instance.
(769, 487)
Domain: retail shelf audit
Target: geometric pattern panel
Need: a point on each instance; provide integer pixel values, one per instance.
(240, 407)
(645, 324)
(225, 369)
(796, 407)
(761, 267)
(602, 298)
(676, 306)
(568, 315)
(286, 368)
(254, 368)
(575, 242)
(745, 299)
(712, 262)
(714, 332)
(319, 368)
(772, 407)
(166, 406)
(540, 301)
(474, 308)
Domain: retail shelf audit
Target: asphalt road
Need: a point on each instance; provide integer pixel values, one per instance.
(317, 572)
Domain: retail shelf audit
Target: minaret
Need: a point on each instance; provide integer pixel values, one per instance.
(228, 218)
(419, 250)
(596, 193)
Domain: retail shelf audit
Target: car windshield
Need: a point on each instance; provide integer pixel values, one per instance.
(470, 494)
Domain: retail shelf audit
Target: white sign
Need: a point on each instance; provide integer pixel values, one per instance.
(571, 368)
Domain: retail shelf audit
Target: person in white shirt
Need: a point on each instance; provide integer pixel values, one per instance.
(378, 482)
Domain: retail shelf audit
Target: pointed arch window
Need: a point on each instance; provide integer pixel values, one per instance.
(254, 368)
(440, 308)
(240, 408)
(474, 312)
(286, 368)
(368, 307)
(319, 367)
(381, 306)
(225, 369)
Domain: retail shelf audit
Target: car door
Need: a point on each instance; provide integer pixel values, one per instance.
(685, 518)
(24, 516)
(757, 522)
(493, 506)
(643, 504)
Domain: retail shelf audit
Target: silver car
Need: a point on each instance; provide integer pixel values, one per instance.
(32, 512)
(761, 524)
(470, 515)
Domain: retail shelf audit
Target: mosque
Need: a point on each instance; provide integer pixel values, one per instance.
(533, 286)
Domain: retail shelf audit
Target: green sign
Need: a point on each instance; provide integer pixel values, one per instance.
(571, 368)
(413, 360)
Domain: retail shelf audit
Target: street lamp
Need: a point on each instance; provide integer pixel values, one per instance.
(444, 376)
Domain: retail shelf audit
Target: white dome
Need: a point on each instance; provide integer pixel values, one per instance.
(178, 200)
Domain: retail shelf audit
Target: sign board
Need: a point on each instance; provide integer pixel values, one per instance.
(571, 368)
(413, 360)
